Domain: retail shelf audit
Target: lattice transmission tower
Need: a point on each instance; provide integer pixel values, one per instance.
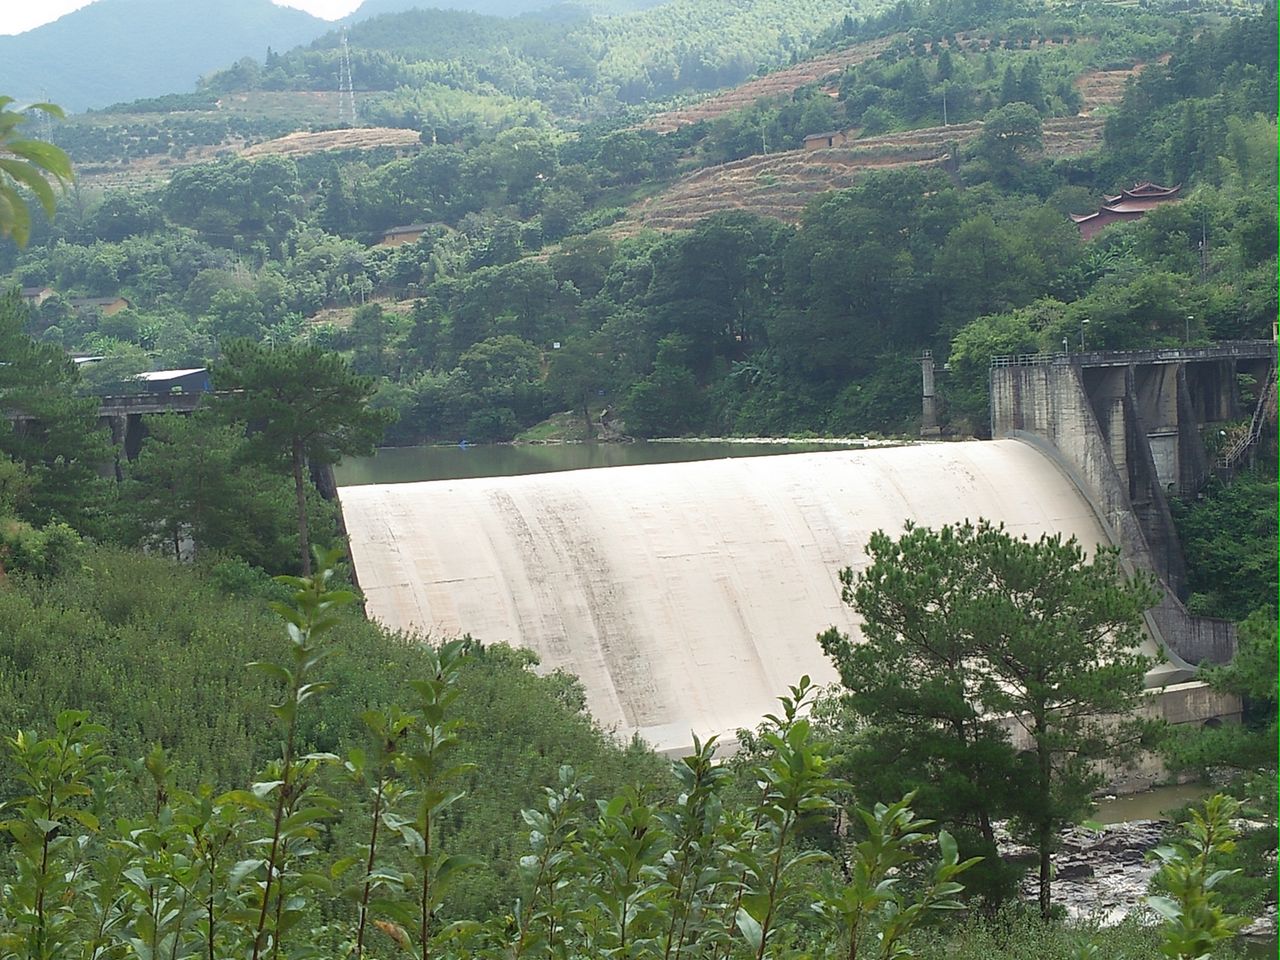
(44, 122)
(346, 88)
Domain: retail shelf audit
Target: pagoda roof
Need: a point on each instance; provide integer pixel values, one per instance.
(1141, 205)
(1144, 190)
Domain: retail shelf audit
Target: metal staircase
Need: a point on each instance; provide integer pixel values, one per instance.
(1265, 410)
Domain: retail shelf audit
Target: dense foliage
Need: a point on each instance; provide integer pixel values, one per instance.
(321, 849)
(522, 296)
(160, 649)
(741, 325)
(1229, 536)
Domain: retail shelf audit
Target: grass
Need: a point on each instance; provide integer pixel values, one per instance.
(557, 428)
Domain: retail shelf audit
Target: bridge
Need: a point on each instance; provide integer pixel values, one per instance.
(124, 413)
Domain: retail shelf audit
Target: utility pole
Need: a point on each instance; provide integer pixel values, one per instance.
(45, 120)
(929, 409)
(944, 103)
(1204, 243)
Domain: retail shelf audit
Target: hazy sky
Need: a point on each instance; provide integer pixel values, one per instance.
(19, 15)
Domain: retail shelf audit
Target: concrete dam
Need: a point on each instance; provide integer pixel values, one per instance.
(685, 596)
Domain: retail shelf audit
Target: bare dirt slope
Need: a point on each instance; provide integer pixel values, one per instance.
(356, 138)
(779, 185)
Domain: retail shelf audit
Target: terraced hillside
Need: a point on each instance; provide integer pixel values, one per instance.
(152, 171)
(1105, 88)
(826, 67)
(776, 84)
(780, 185)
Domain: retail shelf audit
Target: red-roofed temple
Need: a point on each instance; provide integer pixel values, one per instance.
(1126, 205)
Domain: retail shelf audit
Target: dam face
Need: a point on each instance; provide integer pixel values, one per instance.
(686, 597)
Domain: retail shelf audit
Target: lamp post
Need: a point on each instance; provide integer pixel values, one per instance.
(1186, 333)
(1084, 322)
(1065, 348)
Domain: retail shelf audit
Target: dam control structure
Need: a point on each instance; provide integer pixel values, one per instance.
(687, 597)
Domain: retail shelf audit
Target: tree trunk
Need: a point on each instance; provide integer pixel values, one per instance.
(987, 830)
(304, 539)
(1044, 838)
(588, 434)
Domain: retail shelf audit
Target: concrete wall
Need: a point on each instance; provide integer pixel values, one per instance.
(686, 597)
(1047, 403)
(1191, 704)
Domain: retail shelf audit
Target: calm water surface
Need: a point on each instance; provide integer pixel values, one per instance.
(1158, 804)
(409, 464)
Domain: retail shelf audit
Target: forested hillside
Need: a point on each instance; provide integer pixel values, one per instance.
(530, 225)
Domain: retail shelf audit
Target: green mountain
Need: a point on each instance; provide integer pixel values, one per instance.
(500, 8)
(115, 50)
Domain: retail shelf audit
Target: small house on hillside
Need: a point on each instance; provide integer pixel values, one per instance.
(104, 305)
(409, 233)
(37, 295)
(822, 141)
(1126, 205)
(194, 380)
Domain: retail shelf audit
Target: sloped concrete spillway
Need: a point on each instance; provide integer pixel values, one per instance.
(686, 597)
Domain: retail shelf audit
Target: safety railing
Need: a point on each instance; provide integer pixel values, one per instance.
(1239, 449)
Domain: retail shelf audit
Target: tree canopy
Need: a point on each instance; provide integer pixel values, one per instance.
(304, 407)
(994, 671)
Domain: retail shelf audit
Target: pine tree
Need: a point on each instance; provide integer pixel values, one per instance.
(304, 407)
(965, 625)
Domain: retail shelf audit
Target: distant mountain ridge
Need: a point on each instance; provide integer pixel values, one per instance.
(497, 8)
(115, 50)
(119, 50)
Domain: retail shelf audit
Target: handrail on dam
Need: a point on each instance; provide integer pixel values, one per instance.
(1031, 360)
(1229, 350)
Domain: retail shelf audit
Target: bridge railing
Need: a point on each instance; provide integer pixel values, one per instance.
(124, 405)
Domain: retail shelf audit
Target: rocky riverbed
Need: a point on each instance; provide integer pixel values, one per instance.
(1100, 874)
(1104, 874)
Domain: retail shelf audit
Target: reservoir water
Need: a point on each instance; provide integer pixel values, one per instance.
(412, 464)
